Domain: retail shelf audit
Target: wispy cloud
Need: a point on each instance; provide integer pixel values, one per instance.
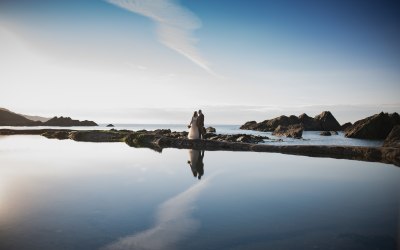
(174, 25)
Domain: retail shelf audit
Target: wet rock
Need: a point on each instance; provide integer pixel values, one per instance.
(110, 125)
(211, 130)
(97, 135)
(61, 135)
(393, 139)
(322, 122)
(325, 133)
(292, 131)
(375, 127)
(327, 121)
(345, 126)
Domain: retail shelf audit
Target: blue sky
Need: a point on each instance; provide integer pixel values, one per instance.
(156, 61)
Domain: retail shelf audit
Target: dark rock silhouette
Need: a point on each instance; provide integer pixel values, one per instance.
(375, 127)
(8, 118)
(345, 126)
(67, 122)
(110, 125)
(325, 133)
(322, 122)
(327, 121)
(292, 131)
(211, 130)
(158, 140)
(393, 139)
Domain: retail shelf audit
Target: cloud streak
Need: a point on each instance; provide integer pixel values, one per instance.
(173, 223)
(174, 25)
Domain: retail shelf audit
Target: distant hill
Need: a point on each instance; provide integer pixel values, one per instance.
(9, 118)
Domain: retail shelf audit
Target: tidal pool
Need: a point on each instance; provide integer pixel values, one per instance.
(77, 195)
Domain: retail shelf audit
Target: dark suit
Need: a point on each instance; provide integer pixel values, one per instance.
(200, 124)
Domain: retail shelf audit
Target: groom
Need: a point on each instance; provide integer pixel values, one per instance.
(200, 124)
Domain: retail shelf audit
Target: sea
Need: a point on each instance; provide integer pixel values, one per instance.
(63, 194)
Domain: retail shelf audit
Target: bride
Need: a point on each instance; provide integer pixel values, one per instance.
(193, 128)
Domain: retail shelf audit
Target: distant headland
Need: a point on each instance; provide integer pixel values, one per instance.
(9, 118)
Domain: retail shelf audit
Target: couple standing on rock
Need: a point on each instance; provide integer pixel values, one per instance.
(196, 126)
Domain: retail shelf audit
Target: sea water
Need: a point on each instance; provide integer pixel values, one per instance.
(62, 194)
(309, 137)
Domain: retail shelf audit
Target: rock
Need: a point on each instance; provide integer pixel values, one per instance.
(325, 133)
(393, 139)
(293, 131)
(61, 135)
(309, 123)
(211, 130)
(376, 127)
(67, 122)
(249, 125)
(110, 125)
(345, 126)
(334, 133)
(327, 121)
(324, 121)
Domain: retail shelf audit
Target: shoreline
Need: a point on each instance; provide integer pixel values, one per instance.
(164, 138)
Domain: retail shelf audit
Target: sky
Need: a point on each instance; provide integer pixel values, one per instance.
(138, 61)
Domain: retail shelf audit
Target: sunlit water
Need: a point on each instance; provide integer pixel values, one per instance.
(76, 195)
(309, 137)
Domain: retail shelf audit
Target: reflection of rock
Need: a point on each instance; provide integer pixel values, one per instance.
(110, 125)
(293, 131)
(164, 139)
(374, 127)
(323, 121)
(393, 139)
(211, 130)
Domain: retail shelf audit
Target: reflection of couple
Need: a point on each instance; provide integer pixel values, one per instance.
(196, 162)
(196, 126)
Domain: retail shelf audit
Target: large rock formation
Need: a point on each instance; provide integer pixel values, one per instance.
(393, 139)
(376, 127)
(67, 122)
(327, 121)
(292, 131)
(322, 122)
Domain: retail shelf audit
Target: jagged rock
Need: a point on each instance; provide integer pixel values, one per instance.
(110, 125)
(345, 126)
(393, 139)
(322, 122)
(309, 123)
(293, 131)
(67, 122)
(61, 135)
(251, 125)
(211, 130)
(375, 127)
(325, 133)
(327, 121)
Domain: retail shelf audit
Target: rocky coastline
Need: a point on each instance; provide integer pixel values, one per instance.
(164, 138)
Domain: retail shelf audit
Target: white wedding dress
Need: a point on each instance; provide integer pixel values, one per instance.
(194, 130)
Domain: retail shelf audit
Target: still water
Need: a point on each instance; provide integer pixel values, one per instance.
(76, 195)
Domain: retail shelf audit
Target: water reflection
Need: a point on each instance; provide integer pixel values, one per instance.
(196, 162)
(174, 222)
